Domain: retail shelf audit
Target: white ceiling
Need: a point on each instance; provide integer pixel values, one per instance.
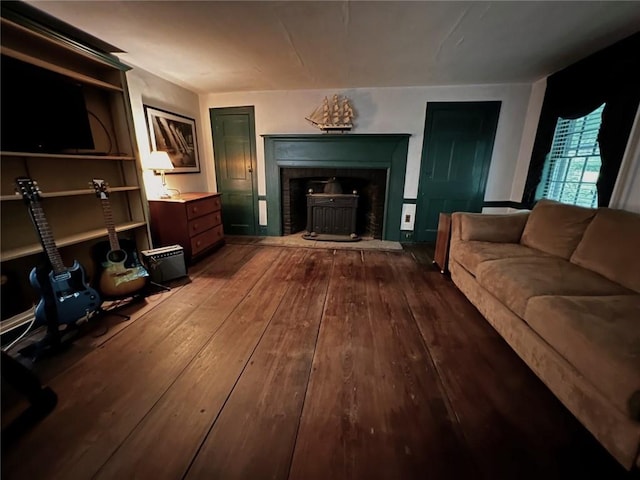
(238, 46)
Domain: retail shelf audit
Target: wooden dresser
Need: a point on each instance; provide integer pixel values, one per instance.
(193, 220)
(441, 254)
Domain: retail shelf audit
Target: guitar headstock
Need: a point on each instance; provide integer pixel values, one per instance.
(29, 189)
(101, 187)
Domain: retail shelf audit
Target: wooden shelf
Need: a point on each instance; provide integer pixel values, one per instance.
(80, 77)
(74, 156)
(60, 42)
(68, 193)
(66, 241)
(16, 321)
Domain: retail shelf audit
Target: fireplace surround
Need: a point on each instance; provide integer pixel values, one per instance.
(339, 153)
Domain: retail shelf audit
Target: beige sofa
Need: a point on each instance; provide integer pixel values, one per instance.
(561, 284)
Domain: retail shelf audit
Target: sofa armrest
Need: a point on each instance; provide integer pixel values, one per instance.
(484, 227)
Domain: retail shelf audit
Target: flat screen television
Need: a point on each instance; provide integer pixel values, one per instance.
(42, 111)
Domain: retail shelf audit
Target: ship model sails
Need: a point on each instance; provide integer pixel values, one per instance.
(333, 116)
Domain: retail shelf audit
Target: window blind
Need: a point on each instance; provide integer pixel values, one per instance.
(572, 166)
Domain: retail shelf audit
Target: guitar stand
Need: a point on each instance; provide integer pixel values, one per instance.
(160, 286)
(102, 312)
(53, 343)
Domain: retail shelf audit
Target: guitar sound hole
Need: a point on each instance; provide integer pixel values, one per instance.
(116, 256)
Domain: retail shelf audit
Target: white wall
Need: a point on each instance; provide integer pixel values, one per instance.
(148, 89)
(387, 110)
(626, 194)
(379, 110)
(528, 138)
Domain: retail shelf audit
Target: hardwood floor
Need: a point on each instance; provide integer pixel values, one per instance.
(294, 363)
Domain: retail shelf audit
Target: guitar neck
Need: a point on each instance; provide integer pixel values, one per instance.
(114, 244)
(46, 237)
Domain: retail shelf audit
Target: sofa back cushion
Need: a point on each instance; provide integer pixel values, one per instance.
(611, 247)
(493, 228)
(556, 228)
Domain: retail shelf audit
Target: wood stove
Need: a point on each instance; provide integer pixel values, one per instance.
(331, 216)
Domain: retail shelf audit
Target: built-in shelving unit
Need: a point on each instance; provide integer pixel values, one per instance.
(63, 71)
(70, 204)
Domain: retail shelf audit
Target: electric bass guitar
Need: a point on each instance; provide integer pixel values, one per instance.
(121, 273)
(64, 292)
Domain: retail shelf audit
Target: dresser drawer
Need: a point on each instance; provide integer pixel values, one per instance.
(202, 207)
(206, 239)
(200, 224)
(217, 217)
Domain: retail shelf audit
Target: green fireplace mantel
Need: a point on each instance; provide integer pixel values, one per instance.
(384, 151)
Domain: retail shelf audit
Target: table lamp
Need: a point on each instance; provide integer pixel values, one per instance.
(160, 162)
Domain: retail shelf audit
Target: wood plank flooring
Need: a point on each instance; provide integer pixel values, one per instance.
(295, 363)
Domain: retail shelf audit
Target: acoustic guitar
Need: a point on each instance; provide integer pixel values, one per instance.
(64, 292)
(121, 273)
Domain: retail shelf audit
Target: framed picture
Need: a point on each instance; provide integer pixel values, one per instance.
(176, 135)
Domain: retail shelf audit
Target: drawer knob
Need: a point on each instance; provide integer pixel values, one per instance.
(195, 226)
(198, 243)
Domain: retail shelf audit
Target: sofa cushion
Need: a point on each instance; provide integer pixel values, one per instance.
(556, 228)
(515, 280)
(493, 228)
(610, 246)
(471, 254)
(599, 336)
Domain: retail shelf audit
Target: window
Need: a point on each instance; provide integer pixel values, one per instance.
(572, 166)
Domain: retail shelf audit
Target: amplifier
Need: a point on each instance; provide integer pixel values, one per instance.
(165, 263)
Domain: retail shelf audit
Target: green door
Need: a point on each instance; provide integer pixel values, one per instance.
(234, 151)
(456, 153)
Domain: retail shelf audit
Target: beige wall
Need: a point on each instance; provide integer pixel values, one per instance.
(148, 89)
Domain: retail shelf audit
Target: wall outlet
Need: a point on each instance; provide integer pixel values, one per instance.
(408, 216)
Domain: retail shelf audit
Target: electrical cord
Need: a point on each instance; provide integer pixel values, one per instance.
(104, 128)
(11, 345)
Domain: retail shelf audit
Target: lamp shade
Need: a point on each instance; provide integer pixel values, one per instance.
(158, 161)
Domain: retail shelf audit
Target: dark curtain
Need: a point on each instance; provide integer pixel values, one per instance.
(610, 76)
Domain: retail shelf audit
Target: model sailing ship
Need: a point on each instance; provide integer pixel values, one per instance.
(334, 116)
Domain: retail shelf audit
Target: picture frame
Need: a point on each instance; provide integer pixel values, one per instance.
(176, 135)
